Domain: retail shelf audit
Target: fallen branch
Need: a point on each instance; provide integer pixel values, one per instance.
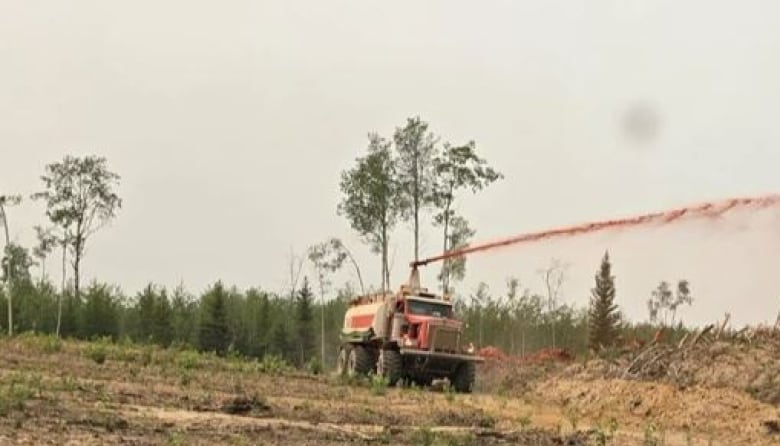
(706, 330)
(682, 341)
(777, 321)
(636, 360)
(723, 325)
(655, 358)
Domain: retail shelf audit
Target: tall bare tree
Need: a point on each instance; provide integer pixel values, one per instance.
(48, 239)
(5, 202)
(327, 258)
(553, 277)
(296, 266)
(80, 199)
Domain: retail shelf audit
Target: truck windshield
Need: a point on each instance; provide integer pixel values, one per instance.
(429, 308)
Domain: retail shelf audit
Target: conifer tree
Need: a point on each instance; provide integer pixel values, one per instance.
(304, 321)
(213, 332)
(603, 316)
(162, 320)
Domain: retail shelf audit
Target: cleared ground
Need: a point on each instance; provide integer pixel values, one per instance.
(86, 393)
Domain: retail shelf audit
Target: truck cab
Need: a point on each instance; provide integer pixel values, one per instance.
(429, 324)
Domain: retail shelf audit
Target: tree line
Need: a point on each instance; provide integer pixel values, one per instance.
(256, 322)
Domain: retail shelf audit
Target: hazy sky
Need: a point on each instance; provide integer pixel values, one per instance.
(231, 121)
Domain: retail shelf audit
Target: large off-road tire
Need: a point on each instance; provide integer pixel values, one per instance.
(359, 361)
(463, 378)
(343, 358)
(423, 380)
(389, 366)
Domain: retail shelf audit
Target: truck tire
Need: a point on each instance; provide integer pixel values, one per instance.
(389, 366)
(463, 379)
(343, 359)
(423, 380)
(359, 361)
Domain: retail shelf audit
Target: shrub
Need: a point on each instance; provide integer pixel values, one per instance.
(45, 343)
(272, 364)
(97, 352)
(13, 395)
(314, 366)
(378, 385)
(188, 359)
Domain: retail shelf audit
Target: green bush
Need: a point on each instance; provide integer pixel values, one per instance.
(272, 364)
(45, 343)
(13, 397)
(314, 366)
(97, 352)
(188, 359)
(378, 385)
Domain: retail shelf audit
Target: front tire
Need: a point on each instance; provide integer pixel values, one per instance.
(389, 366)
(464, 377)
(358, 361)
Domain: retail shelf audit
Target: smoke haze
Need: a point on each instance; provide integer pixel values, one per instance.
(230, 123)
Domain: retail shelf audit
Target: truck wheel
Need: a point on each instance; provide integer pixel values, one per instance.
(358, 361)
(423, 381)
(389, 366)
(463, 380)
(343, 359)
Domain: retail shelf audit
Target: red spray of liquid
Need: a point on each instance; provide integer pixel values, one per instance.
(704, 210)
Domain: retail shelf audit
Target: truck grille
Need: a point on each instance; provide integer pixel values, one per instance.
(445, 339)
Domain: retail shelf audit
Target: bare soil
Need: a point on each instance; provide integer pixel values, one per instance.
(53, 393)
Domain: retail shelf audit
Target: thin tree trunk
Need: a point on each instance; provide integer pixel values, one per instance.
(416, 201)
(76, 265)
(416, 232)
(445, 268)
(294, 275)
(322, 320)
(62, 290)
(8, 273)
(522, 343)
(385, 264)
(357, 269)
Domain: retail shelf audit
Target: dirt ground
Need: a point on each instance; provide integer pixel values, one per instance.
(77, 393)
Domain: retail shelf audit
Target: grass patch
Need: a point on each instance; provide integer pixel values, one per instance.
(97, 352)
(272, 364)
(17, 389)
(188, 359)
(378, 385)
(44, 343)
